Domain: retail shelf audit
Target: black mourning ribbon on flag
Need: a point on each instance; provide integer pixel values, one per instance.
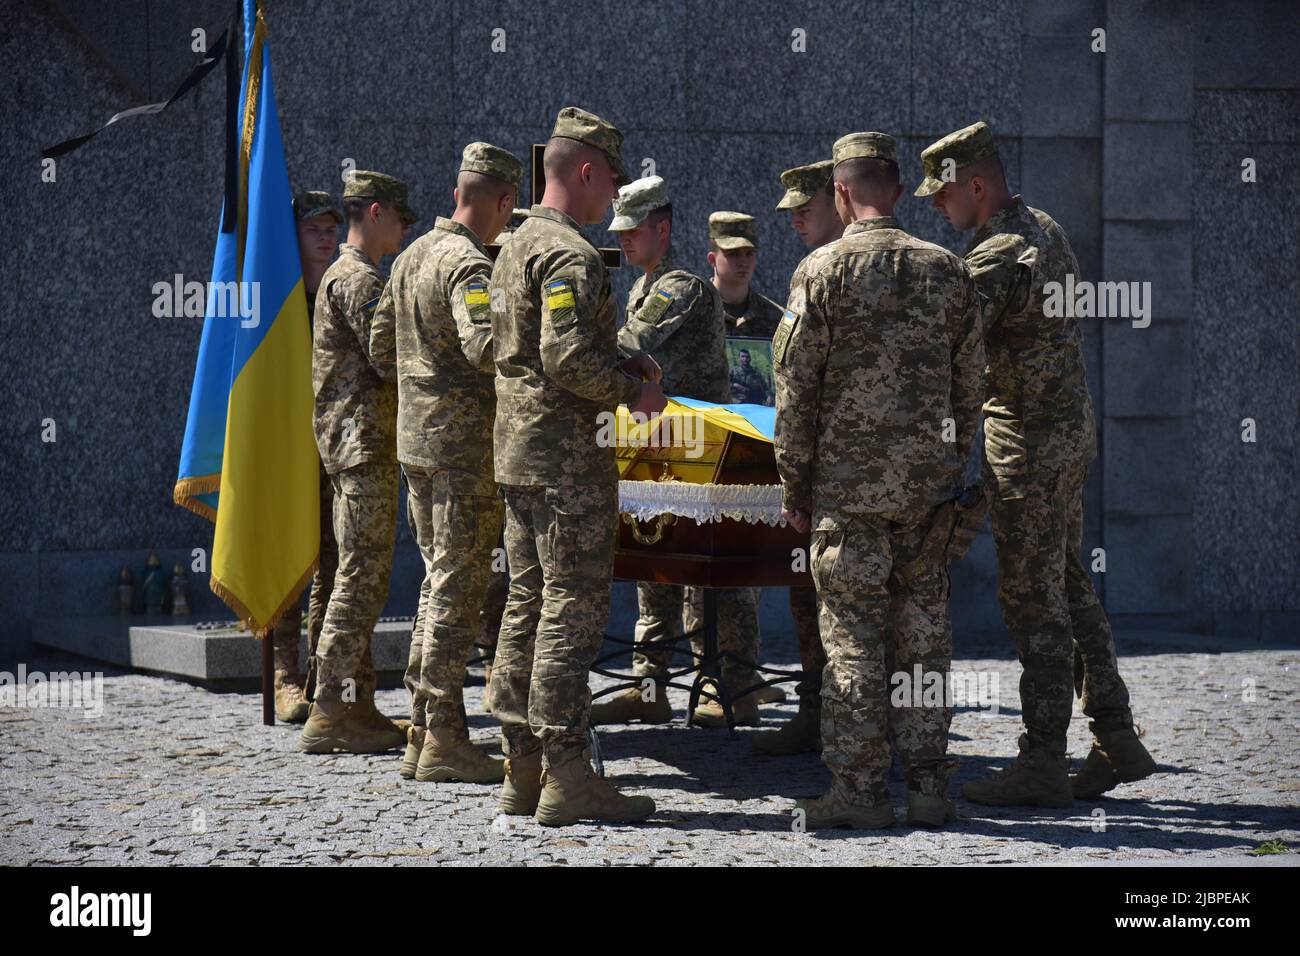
(196, 75)
(230, 208)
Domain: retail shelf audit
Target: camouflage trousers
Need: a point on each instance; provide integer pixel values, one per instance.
(1050, 607)
(489, 621)
(456, 533)
(659, 627)
(411, 677)
(494, 608)
(812, 658)
(560, 548)
(883, 611)
(365, 522)
(289, 628)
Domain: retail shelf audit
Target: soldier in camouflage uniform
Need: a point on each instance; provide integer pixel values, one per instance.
(810, 198)
(356, 418)
(1039, 438)
(733, 253)
(559, 374)
(432, 332)
(494, 602)
(318, 219)
(878, 366)
(676, 317)
(748, 387)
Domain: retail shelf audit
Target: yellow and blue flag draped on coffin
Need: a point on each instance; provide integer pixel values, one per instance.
(689, 437)
(249, 459)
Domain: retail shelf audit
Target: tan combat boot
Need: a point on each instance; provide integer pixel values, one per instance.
(291, 704)
(629, 705)
(523, 785)
(335, 725)
(709, 713)
(449, 755)
(926, 810)
(837, 809)
(770, 694)
(1117, 756)
(393, 731)
(1035, 778)
(801, 734)
(411, 757)
(572, 792)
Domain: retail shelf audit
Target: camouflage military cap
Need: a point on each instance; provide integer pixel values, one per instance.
(636, 201)
(575, 123)
(963, 147)
(804, 182)
(864, 146)
(368, 184)
(492, 161)
(309, 205)
(733, 230)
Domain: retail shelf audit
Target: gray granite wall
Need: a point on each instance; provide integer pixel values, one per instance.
(1136, 151)
(1244, 353)
(1147, 197)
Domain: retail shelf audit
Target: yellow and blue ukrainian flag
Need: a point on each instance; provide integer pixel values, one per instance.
(249, 459)
(712, 423)
(755, 421)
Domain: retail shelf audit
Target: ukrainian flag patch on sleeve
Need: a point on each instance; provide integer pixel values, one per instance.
(476, 297)
(369, 307)
(559, 295)
(781, 341)
(656, 306)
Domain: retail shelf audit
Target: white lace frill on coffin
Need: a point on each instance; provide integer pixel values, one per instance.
(645, 500)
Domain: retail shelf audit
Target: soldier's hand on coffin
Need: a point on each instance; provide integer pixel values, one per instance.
(652, 400)
(643, 367)
(799, 519)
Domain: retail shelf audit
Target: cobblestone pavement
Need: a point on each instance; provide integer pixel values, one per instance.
(174, 773)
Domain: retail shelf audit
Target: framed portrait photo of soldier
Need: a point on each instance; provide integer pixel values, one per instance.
(749, 371)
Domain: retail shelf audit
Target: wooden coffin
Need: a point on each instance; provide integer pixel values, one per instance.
(724, 553)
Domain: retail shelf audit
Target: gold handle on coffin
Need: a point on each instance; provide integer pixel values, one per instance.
(641, 537)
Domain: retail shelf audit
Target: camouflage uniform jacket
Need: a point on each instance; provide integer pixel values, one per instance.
(748, 387)
(557, 364)
(1038, 412)
(356, 410)
(757, 319)
(677, 317)
(880, 343)
(433, 332)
